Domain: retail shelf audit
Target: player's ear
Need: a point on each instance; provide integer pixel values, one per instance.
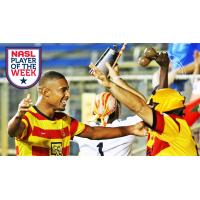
(45, 91)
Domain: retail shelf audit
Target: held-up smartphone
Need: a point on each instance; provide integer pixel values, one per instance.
(109, 56)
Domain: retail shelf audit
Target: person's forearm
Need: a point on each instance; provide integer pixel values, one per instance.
(120, 82)
(163, 80)
(187, 69)
(197, 69)
(108, 133)
(15, 126)
(99, 133)
(133, 102)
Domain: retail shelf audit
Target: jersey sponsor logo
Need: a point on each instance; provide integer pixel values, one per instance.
(23, 66)
(56, 148)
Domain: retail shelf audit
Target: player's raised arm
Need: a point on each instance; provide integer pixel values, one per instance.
(130, 99)
(163, 61)
(15, 125)
(120, 82)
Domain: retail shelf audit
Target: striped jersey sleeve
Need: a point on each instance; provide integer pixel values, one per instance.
(27, 128)
(76, 127)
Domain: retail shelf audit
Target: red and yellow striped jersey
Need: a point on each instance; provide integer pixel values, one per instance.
(45, 137)
(170, 136)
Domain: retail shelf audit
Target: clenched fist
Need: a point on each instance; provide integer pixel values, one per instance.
(24, 105)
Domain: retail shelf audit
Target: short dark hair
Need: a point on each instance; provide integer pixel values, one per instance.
(115, 114)
(49, 76)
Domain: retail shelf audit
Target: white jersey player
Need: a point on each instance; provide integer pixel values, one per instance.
(106, 112)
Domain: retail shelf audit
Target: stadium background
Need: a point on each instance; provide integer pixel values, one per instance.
(72, 60)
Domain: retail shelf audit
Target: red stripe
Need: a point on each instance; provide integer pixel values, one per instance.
(17, 150)
(65, 151)
(50, 134)
(158, 146)
(73, 127)
(191, 116)
(159, 123)
(148, 151)
(106, 99)
(40, 151)
(29, 129)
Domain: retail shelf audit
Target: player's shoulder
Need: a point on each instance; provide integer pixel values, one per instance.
(31, 113)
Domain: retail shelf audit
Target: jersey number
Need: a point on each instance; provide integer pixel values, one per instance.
(100, 148)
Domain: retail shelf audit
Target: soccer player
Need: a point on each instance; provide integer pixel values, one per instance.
(192, 112)
(170, 134)
(106, 111)
(43, 130)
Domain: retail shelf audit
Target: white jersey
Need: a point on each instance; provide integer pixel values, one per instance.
(110, 147)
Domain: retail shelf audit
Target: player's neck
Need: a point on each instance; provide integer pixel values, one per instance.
(45, 109)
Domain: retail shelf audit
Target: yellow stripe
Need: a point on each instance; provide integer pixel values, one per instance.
(80, 128)
(24, 148)
(45, 142)
(48, 124)
(25, 130)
